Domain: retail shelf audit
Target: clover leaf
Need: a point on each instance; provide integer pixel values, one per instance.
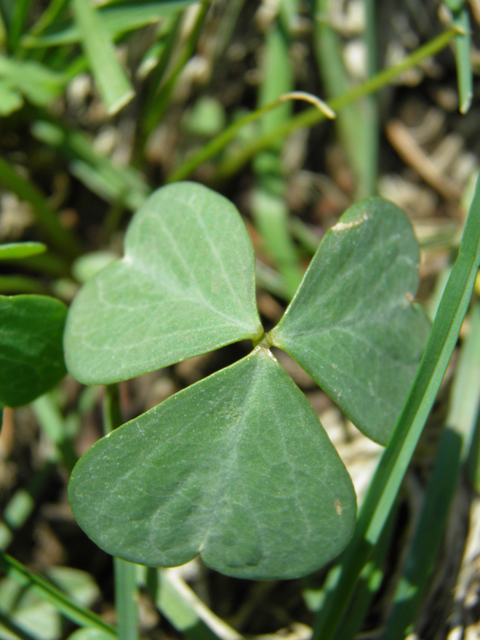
(238, 467)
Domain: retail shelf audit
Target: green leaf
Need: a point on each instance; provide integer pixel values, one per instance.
(31, 356)
(14, 250)
(236, 467)
(352, 325)
(185, 286)
(113, 84)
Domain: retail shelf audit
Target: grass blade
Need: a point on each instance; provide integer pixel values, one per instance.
(357, 124)
(463, 41)
(48, 592)
(21, 9)
(14, 250)
(269, 209)
(115, 88)
(397, 455)
(461, 422)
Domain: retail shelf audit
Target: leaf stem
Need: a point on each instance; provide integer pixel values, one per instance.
(125, 572)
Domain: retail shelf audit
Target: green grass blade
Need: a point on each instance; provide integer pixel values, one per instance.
(357, 124)
(45, 214)
(269, 208)
(369, 583)
(48, 592)
(115, 88)
(463, 40)
(21, 9)
(461, 421)
(15, 250)
(396, 457)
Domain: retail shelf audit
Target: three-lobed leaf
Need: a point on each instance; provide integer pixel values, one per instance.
(236, 467)
(184, 287)
(352, 325)
(31, 355)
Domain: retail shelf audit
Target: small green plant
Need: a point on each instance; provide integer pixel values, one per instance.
(237, 467)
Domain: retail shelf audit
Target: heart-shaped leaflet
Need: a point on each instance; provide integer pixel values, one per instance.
(184, 287)
(236, 467)
(352, 324)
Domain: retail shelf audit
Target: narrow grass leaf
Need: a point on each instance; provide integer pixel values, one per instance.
(357, 124)
(14, 250)
(463, 41)
(18, 20)
(256, 498)
(115, 88)
(38, 617)
(460, 423)
(269, 208)
(185, 286)
(461, 20)
(46, 591)
(369, 583)
(396, 457)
